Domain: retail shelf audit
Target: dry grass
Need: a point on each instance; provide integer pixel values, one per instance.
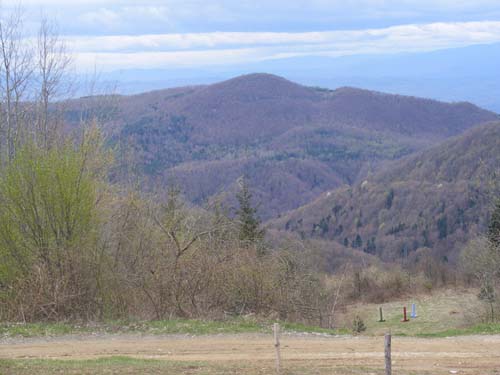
(437, 312)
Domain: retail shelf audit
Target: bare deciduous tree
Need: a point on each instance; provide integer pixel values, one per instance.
(15, 74)
(52, 65)
(481, 259)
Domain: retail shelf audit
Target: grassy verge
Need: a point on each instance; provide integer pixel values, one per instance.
(479, 329)
(40, 329)
(111, 365)
(235, 326)
(163, 327)
(127, 365)
(439, 312)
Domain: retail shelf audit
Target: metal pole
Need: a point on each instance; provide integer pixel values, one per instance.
(413, 310)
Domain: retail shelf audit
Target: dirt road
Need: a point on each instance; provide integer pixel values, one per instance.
(466, 355)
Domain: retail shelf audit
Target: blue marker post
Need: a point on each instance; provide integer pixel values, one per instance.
(413, 311)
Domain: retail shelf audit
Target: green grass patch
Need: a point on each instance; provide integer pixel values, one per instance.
(40, 329)
(109, 365)
(233, 326)
(201, 327)
(127, 365)
(162, 327)
(479, 329)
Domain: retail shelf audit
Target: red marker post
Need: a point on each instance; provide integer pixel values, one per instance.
(405, 318)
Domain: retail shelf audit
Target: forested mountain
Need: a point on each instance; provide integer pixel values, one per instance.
(438, 198)
(464, 73)
(293, 142)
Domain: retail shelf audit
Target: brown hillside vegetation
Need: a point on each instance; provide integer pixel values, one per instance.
(292, 141)
(436, 199)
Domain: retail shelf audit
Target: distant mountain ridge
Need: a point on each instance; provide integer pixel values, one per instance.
(293, 142)
(244, 104)
(464, 73)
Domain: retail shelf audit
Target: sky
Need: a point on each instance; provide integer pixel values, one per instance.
(110, 35)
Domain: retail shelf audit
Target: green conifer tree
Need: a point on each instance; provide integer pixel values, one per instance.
(494, 227)
(250, 230)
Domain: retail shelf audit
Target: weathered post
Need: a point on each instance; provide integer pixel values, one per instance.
(387, 347)
(276, 330)
(381, 320)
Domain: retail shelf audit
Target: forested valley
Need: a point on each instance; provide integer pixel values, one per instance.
(255, 196)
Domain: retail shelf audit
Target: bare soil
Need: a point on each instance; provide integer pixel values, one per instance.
(466, 355)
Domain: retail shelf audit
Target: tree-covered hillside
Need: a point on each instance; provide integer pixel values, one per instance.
(437, 199)
(292, 142)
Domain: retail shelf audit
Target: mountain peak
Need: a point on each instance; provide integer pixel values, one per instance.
(263, 85)
(259, 77)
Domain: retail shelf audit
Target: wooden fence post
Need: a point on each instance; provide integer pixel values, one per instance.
(388, 363)
(276, 330)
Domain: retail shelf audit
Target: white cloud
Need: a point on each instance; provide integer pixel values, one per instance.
(39, 3)
(157, 33)
(132, 17)
(461, 33)
(101, 17)
(198, 49)
(111, 18)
